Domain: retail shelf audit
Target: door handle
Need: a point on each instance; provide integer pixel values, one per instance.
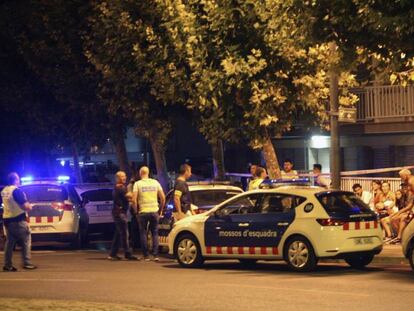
(244, 224)
(283, 224)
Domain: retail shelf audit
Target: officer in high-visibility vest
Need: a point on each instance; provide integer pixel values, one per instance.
(17, 229)
(148, 198)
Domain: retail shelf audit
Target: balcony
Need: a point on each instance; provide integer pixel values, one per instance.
(384, 108)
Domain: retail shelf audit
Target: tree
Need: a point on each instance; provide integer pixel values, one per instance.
(252, 68)
(125, 46)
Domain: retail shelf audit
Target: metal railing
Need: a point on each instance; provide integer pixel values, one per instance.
(365, 182)
(377, 103)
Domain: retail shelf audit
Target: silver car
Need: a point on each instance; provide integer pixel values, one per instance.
(408, 243)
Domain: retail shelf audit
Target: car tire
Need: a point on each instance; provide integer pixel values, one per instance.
(299, 255)
(248, 262)
(359, 261)
(187, 251)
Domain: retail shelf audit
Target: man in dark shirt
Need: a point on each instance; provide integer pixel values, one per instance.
(182, 198)
(14, 220)
(121, 198)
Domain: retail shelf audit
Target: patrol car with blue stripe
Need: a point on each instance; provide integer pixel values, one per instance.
(296, 223)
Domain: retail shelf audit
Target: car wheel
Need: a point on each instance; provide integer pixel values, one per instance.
(248, 262)
(188, 252)
(411, 256)
(359, 261)
(299, 255)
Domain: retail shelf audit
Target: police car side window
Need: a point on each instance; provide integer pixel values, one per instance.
(244, 205)
(280, 203)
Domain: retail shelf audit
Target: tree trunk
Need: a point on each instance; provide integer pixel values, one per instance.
(76, 166)
(121, 154)
(158, 150)
(270, 157)
(218, 160)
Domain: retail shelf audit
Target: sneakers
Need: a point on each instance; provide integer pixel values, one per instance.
(29, 267)
(147, 258)
(388, 239)
(114, 258)
(131, 257)
(9, 269)
(156, 259)
(395, 241)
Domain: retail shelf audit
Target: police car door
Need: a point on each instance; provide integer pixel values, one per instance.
(228, 226)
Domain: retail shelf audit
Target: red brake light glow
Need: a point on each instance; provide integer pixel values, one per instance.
(330, 222)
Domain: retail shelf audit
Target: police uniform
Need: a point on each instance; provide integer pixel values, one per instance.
(182, 191)
(255, 184)
(147, 189)
(15, 224)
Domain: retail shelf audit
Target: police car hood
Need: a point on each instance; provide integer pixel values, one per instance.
(193, 218)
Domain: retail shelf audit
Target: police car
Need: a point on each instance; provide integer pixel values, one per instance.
(204, 196)
(298, 224)
(57, 213)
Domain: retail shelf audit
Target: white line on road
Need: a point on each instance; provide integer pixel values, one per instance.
(43, 280)
(317, 291)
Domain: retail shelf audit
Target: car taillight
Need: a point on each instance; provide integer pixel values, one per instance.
(330, 222)
(62, 206)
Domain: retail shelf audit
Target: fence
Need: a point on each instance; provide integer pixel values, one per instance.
(382, 102)
(365, 182)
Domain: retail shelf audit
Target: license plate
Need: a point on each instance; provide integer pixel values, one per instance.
(103, 208)
(363, 241)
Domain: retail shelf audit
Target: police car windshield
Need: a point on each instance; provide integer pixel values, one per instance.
(45, 193)
(211, 198)
(341, 203)
(97, 195)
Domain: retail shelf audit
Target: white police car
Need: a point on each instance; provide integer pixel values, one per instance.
(57, 213)
(298, 224)
(407, 242)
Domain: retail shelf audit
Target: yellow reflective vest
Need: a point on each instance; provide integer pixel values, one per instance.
(11, 207)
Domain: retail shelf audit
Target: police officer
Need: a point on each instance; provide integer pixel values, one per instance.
(14, 220)
(119, 212)
(147, 192)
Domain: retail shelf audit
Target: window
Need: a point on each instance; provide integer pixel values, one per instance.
(244, 205)
(280, 203)
(45, 193)
(341, 203)
(211, 198)
(97, 195)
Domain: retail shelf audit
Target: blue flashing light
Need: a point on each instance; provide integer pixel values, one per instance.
(63, 178)
(26, 179)
(288, 181)
(62, 162)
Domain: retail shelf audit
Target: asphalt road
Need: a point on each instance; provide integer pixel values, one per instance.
(86, 276)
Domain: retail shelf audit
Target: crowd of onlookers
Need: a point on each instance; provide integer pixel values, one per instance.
(394, 208)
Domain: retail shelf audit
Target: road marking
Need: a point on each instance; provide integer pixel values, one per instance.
(43, 280)
(317, 291)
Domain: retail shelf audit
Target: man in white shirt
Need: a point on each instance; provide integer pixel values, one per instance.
(365, 196)
(319, 179)
(288, 172)
(146, 193)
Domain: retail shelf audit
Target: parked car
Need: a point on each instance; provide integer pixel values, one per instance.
(298, 224)
(57, 213)
(204, 196)
(407, 242)
(97, 201)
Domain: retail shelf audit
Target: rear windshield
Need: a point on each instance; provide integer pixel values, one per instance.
(340, 203)
(211, 198)
(45, 193)
(97, 195)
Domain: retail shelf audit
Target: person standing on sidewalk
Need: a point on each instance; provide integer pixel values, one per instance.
(15, 224)
(121, 198)
(147, 192)
(182, 198)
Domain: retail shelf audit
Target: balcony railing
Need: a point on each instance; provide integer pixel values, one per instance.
(379, 103)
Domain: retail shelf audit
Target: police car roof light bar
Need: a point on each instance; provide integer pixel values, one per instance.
(273, 183)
